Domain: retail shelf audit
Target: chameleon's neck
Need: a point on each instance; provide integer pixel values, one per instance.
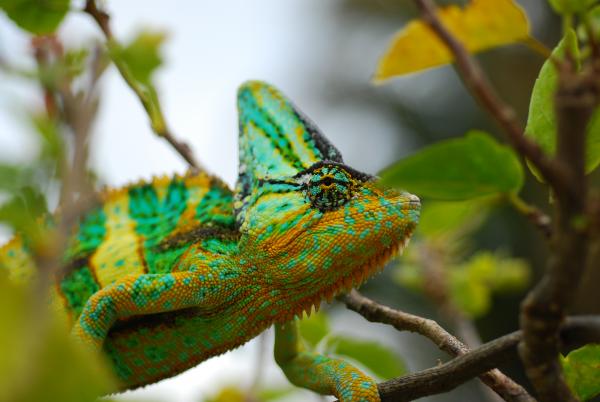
(270, 295)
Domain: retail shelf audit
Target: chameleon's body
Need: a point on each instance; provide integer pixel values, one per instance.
(164, 275)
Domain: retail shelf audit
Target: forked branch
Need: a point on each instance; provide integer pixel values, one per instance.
(402, 321)
(467, 364)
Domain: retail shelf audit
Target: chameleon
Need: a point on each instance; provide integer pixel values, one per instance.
(164, 274)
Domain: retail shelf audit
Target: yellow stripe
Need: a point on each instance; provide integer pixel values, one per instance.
(117, 256)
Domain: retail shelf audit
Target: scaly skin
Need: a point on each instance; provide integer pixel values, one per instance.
(163, 275)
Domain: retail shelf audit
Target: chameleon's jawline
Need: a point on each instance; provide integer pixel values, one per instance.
(354, 280)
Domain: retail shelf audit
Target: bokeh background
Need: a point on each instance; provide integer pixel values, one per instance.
(322, 54)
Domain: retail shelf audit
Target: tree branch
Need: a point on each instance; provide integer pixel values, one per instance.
(577, 331)
(430, 329)
(534, 214)
(162, 130)
(545, 306)
(477, 82)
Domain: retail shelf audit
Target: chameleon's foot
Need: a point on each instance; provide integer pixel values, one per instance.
(320, 373)
(352, 385)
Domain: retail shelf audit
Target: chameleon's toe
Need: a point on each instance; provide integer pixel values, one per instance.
(352, 385)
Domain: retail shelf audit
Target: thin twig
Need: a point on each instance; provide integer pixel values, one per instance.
(430, 329)
(148, 101)
(476, 80)
(539, 219)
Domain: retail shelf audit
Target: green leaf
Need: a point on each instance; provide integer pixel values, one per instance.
(49, 133)
(74, 61)
(314, 328)
(581, 369)
(593, 17)
(570, 6)
(479, 25)
(439, 218)
(458, 169)
(541, 123)
(379, 359)
(12, 177)
(22, 211)
(137, 62)
(141, 56)
(39, 360)
(36, 16)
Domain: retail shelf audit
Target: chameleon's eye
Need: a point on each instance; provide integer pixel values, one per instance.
(329, 187)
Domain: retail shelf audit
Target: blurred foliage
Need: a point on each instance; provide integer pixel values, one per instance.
(36, 16)
(480, 25)
(378, 359)
(441, 218)
(229, 394)
(313, 329)
(142, 55)
(570, 6)
(137, 61)
(541, 125)
(581, 368)
(457, 169)
(472, 283)
(232, 393)
(39, 361)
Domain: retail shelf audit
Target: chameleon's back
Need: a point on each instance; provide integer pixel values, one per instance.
(142, 228)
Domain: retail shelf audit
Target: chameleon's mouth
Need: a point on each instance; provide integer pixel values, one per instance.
(353, 280)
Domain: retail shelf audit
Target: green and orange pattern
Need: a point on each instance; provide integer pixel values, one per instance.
(163, 275)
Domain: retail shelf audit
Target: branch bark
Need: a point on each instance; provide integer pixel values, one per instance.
(545, 306)
(575, 332)
(402, 321)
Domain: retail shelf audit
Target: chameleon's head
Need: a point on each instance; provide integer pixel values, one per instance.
(319, 226)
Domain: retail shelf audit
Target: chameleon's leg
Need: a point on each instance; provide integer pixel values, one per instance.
(137, 295)
(320, 373)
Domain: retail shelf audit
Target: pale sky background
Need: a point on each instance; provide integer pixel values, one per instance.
(301, 46)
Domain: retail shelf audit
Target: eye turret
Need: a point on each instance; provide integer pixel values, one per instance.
(329, 187)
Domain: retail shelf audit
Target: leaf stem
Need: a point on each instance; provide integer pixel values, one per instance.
(534, 214)
(537, 47)
(567, 23)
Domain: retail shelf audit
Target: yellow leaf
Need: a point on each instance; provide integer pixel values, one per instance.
(481, 25)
